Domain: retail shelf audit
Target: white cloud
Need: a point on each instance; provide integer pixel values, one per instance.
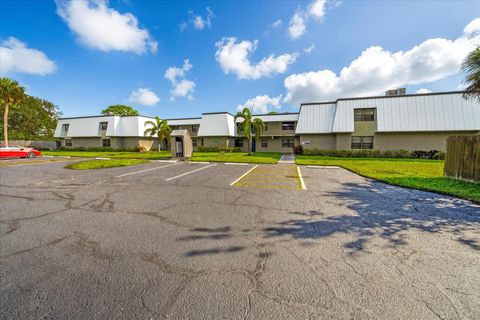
(234, 58)
(277, 23)
(261, 104)
(173, 73)
(309, 50)
(15, 56)
(180, 86)
(184, 88)
(144, 96)
(296, 27)
(100, 27)
(377, 69)
(199, 22)
(423, 90)
(316, 9)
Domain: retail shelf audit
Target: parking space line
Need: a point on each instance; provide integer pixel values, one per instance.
(300, 177)
(130, 173)
(243, 175)
(184, 174)
(198, 162)
(236, 164)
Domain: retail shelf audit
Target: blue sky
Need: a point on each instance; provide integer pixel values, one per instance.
(266, 55)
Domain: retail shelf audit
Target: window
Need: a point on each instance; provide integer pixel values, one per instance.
(265, 126)
(194, 142)
(362, 142)
(239, 143)
(68, 142)
(288, 143)
(264, 143)
(288, 125)
(103, 126)
(194, 128)
(215, 141)
(364, 114)
(65, 127)
(106, 142)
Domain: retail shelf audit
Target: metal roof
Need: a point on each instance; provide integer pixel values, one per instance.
(185, 121)
(316, 118)
(407, 113)
(274, 117)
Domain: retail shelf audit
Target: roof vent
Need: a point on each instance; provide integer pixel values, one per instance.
(396, 92)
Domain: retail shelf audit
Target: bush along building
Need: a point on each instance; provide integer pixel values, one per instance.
(392, 122)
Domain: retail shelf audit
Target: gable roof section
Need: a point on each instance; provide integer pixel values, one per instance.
(316, 118)
(216, 125)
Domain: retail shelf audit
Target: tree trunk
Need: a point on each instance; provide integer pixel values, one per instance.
(158, 145)
(5, 125)
(250, 146)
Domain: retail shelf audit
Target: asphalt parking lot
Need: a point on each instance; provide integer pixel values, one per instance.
(217, 241)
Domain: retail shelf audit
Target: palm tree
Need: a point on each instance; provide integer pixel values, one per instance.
(11, 93)
(249, 126)
(471, 66)
(161, 129)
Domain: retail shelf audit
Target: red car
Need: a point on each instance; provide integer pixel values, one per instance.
(18, 152)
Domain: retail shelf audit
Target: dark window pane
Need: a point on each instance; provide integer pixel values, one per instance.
(106, 142)
(264, 143)
(288, 126)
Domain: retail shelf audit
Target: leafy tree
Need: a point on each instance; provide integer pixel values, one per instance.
(34, 118)
(11, 94)
(161, 129)
(250, 126)
(120, 110)
(471, 66)
(272, 112)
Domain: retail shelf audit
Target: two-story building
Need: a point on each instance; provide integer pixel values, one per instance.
(410, 122)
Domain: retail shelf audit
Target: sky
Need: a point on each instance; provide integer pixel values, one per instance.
(178, 59)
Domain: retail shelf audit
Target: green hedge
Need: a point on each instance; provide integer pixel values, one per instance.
(432, 154)
(97, 149)
(217, 149)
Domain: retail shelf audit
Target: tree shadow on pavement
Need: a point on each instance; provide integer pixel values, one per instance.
(379, 210)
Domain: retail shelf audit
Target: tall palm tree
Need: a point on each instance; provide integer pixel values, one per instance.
(161, 129)
(11, 93)
(250, 126)
(471, 66)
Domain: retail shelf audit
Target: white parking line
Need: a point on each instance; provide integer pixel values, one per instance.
(236, 164)
(184, 174)
(243, 175)
(198, 162)
(302, 183)
(127, 174)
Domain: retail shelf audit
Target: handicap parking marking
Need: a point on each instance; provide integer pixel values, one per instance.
(244, 175)
(193, 171)
(146, 170)
(272, 177)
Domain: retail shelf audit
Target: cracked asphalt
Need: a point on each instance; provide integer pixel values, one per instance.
(89, 245)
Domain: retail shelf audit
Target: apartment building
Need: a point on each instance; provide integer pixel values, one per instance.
(396, 121)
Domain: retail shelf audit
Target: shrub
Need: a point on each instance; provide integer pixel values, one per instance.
(433, 154)
(97, 149)
(298, 149)
(217, 149)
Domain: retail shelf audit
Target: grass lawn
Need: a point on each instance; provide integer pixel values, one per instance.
(100, 164)
(150, 155)
(418, 174)
(257, 157)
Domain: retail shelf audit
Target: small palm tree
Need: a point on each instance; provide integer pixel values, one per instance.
(250, 126)
(471, 66)
(11, 93)
(161, 129)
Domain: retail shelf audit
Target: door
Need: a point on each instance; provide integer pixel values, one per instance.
(254, 145)
(179, 147)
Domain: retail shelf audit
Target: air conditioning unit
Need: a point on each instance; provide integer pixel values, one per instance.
(396, 92)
